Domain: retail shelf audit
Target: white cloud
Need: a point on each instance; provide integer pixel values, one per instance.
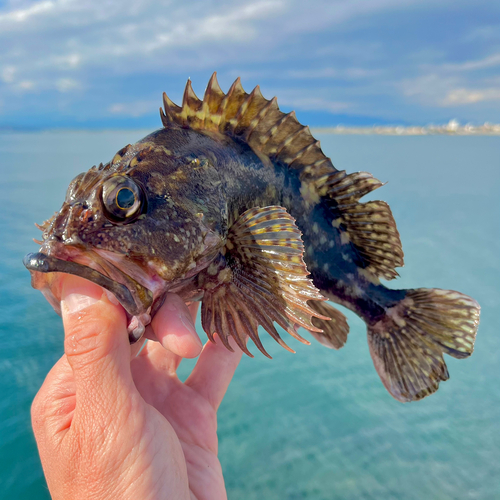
(232, 25)
(458, 97)
(22, 15)
(25, 85)
(487, 33)
(320, 102)
(54, 48)
(134, 109)
(67, 84)
(67, 61)
(8, 74)
(454, 84)
(129, 36)
(446, 91)
(314, 103)
(340, 73)
(430, 89)
(487, 62)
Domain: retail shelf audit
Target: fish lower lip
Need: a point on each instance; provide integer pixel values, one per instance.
(46, 264)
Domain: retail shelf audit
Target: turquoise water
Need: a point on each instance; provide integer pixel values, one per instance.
(317, 424)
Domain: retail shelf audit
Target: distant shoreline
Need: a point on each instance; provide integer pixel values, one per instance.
(451, 128)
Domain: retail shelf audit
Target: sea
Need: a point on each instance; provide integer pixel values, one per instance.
(317, 424)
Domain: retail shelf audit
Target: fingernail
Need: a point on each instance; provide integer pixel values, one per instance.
(75, 302)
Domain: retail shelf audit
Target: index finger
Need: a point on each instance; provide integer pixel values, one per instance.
(214, 370)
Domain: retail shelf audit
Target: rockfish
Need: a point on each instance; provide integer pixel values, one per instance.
(233, 203)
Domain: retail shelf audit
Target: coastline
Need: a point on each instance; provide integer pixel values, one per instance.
(451, 128)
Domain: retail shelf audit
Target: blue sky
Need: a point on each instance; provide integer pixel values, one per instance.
(102, 64)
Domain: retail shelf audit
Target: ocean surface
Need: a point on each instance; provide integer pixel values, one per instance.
(317, 424)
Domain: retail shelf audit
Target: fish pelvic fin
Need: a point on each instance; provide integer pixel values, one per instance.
(259, 278)
(252, 119)
(408, 343)
(370, 226)
(334, 331)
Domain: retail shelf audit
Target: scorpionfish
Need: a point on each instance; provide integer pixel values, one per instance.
(234, 204)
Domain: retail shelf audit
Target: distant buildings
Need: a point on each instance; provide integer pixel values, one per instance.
(453, 127)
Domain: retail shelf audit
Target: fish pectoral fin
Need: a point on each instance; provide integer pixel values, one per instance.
(407, 344)
(335, 330)
(259, 278)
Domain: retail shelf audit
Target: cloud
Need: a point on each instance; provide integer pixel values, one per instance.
(458, 97)
(455, 84)
(487, 62)
(67, 84)
(488, 33)
(133, 109)
(127, 36)
(337, 73)
(8, 74)
(23, 15)
(320, 101)
(25, 85)
(447, 91)
(334, 55)
(318, 104)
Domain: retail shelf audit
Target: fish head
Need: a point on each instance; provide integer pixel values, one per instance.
(141, 225)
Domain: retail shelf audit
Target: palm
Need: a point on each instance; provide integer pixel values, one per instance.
(107, 427)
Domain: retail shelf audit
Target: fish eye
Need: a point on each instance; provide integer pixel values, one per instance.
(125, 198)
(122, 198)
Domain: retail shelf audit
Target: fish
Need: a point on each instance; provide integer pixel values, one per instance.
(233, 203)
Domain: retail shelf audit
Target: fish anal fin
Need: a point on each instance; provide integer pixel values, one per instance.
(260, 279)
(408, 343)
(335, 330)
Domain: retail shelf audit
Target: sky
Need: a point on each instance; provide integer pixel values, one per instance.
(105, 63)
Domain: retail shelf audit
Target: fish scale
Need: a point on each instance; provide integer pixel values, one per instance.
(234, 204)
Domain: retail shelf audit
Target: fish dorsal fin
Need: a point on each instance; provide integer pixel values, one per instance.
(251, 118)
(260, 278)
(370, 226)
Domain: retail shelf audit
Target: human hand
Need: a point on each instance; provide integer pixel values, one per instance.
(109, 427)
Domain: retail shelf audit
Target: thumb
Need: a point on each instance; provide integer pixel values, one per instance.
(96, 345)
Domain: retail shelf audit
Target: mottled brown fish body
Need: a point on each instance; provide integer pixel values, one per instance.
(234, 169)
(233, 203)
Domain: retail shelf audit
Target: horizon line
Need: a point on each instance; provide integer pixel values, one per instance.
(453, 127)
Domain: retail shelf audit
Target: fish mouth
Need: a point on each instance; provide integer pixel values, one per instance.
(43, 263)
(136, 299)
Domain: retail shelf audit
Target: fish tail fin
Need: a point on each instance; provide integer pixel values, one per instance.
(408, 343)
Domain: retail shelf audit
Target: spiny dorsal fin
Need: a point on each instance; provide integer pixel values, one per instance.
(252, 118)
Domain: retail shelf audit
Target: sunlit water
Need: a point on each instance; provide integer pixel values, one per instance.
(317, 424)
